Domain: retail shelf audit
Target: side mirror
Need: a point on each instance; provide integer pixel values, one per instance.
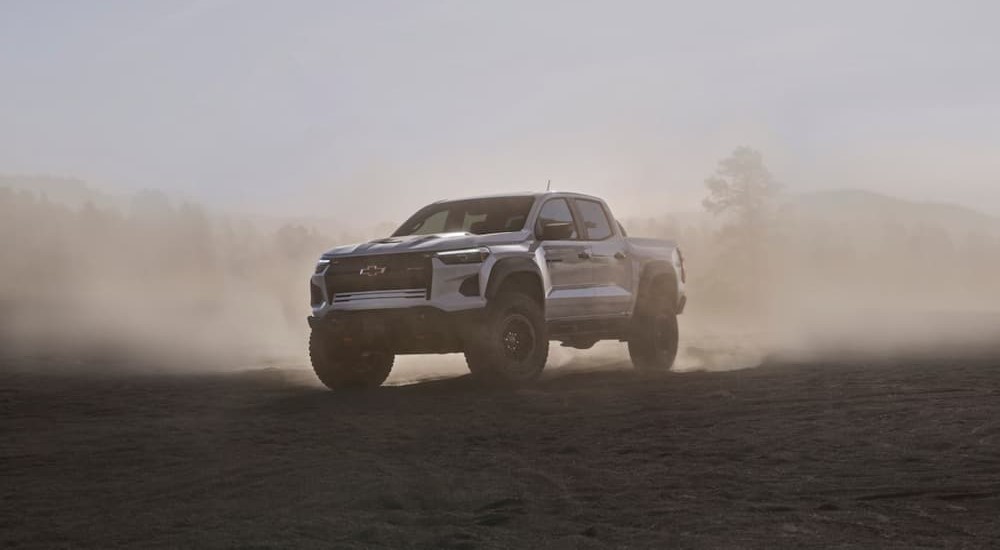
(556, 231)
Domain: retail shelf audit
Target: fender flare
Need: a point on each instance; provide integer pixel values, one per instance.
(656, 269)
(506, 267)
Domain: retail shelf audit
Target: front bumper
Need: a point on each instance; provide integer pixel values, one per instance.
(421, 329)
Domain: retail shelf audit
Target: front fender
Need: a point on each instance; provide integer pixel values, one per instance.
(506, 267)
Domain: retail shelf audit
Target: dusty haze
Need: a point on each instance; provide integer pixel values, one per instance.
(149, 282)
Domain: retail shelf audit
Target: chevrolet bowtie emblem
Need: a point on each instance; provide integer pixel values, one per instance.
(373, 270)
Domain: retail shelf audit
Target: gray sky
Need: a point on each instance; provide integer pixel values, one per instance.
(320, 106)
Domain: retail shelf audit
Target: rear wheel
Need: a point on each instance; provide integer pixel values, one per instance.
(341, 369)
(653, 342)
(512, 345)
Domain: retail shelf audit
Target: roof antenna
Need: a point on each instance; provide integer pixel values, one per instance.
(548, 186)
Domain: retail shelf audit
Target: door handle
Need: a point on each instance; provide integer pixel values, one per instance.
(584, 255)
(620, 255)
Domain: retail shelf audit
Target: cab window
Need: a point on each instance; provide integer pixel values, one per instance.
(595, 220)
(557, 210)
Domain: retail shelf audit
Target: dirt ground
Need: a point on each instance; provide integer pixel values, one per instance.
(898, 454)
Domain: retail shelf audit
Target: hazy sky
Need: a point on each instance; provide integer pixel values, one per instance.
(323, 107)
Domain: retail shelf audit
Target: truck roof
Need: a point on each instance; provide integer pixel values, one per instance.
(522, 194)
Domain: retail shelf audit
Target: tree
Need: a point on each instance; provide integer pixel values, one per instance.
(741, 186)
(743, 189)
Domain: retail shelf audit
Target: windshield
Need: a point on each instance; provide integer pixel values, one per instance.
(478, 216)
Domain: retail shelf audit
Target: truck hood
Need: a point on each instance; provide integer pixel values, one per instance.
(425, 243)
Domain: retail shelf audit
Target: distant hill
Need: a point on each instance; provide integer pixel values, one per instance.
(868, 209)
(75, 193)
(69, 191)
(854, 213)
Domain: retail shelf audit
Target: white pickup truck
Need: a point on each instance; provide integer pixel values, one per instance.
(495, 278)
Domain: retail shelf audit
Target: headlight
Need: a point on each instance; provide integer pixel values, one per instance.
(321, 266)
(464, 256)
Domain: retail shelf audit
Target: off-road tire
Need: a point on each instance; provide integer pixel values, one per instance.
(511, 345)
(654, 334)
(343, 369)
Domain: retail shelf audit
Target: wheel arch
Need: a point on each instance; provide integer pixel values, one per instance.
(656, 276)
(519, 273)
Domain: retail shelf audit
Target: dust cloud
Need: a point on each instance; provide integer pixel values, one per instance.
(147, 281)
(840, 276)
(150, 283)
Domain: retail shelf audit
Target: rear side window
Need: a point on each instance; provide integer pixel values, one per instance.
(556, 210)
(595, 220)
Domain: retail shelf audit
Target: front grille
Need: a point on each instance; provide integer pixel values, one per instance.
(409, 294)
(373, 273)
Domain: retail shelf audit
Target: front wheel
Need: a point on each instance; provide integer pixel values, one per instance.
(655, 336)
(341, 369)
(512, 345)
